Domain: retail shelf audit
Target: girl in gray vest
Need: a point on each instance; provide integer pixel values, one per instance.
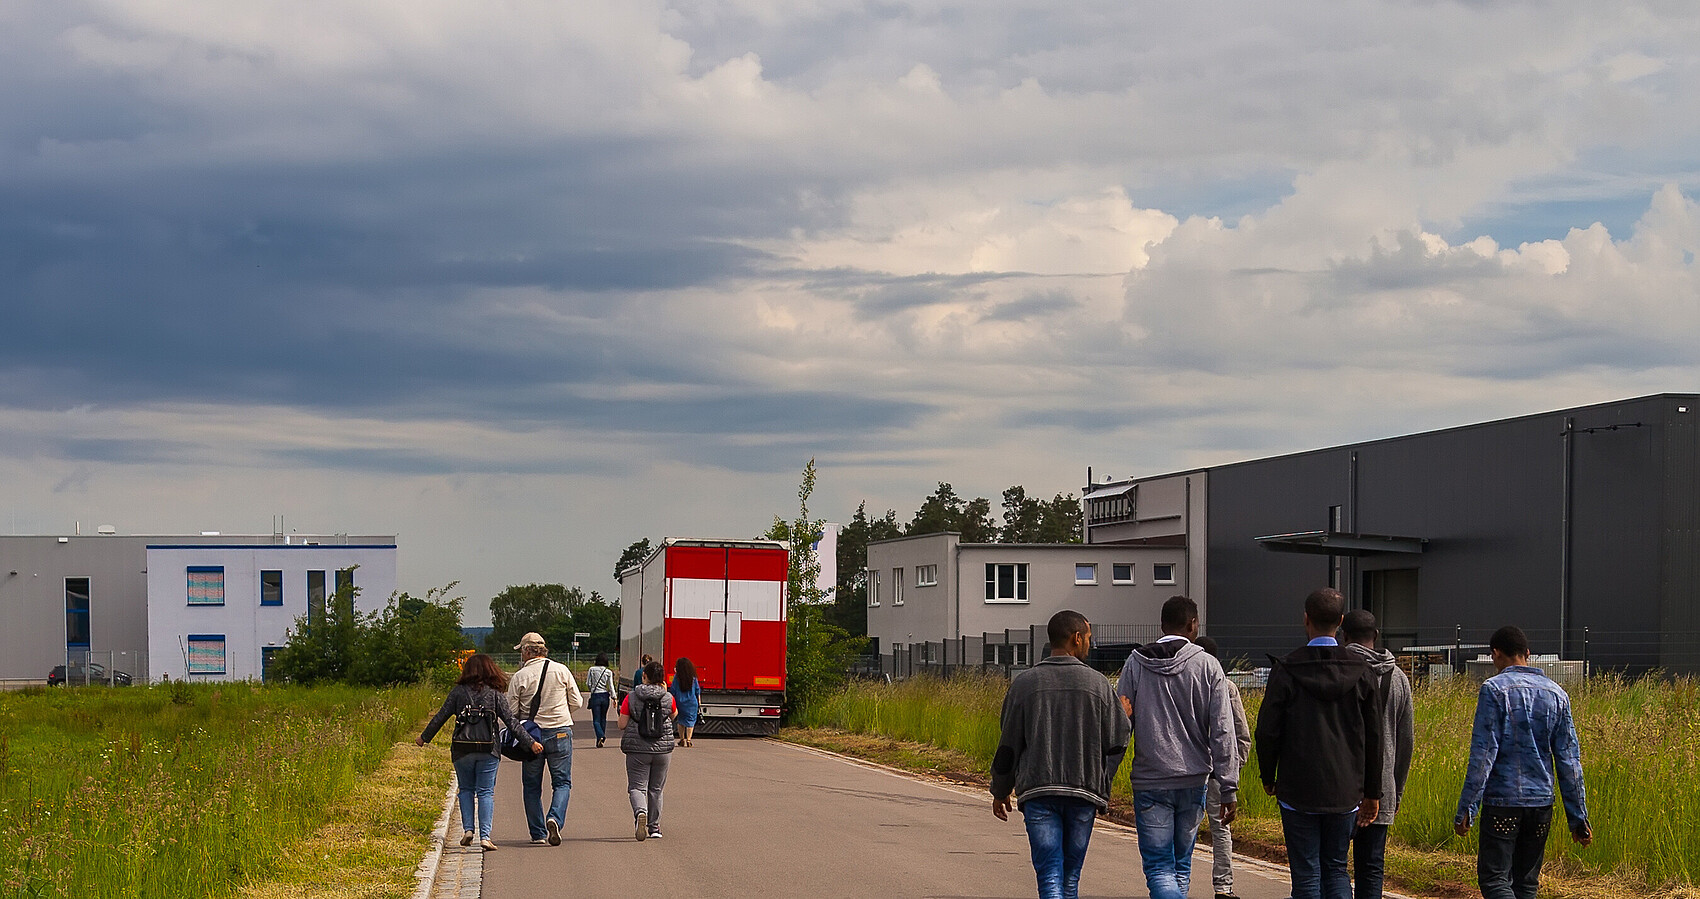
(648, 749)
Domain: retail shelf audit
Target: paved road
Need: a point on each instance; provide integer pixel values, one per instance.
(748, 816)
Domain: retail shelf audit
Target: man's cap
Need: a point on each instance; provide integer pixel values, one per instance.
(532, 639)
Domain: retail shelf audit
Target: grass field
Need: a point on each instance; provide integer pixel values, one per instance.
(185, 791)
(1640, 745)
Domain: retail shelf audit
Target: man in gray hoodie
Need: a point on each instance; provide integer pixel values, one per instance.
(1369, 844)
(1183, 729)
(1062, 739)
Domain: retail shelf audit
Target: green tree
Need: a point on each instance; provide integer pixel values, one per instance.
(408, 638)
(1030, 520)
(516, 611)
(850, 601)
(818, 652)
(634, 554)
(595, 616)
(322, 645)
(944, 510)
(1062, 521)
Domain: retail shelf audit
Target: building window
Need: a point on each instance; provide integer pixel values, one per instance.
(315, 597)
(1006, 582)
(267, 655)
(76, 613)
(1085, 573)
(1121, 573)
(897, 586)
(206, 585)
(1163, 574)
(1107, 509)
(1008, 654)
(344, 580)
(873, 587)
(926, 575)
(206, 653)
(271, 588)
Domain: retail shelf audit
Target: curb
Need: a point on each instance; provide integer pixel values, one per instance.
(426, 874)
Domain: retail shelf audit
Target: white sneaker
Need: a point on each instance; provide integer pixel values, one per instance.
(655, 834)
(642, 829)
(554, 828)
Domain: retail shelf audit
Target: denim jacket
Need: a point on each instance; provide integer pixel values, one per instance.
(1522, 733)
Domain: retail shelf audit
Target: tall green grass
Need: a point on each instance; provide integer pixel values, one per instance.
(179, 790)
(1640, 755)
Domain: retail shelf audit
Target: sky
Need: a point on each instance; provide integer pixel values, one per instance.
(523, 282)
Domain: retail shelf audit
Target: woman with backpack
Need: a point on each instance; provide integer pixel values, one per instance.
(687, 695)
(647, 716)
(599, 680)
(478, 701)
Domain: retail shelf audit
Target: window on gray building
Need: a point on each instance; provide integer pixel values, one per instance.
(1006, 582)
(873, 587)
(1163, 574)
(206, 585)
(1121, 573)
(1085, 573)
(926, 575)
(897, 586)
(76, 613)
(271, 588)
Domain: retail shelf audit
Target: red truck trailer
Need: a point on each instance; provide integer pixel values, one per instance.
(721, 604)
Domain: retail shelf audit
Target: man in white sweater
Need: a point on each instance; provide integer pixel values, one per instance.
(538, 675)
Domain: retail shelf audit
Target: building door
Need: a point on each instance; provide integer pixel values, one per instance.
(1391, 596)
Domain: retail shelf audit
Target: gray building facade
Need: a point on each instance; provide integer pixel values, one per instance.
(1582, 526)
(935, 589)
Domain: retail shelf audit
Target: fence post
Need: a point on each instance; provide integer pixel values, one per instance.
(1457, 649)
(1585, 671)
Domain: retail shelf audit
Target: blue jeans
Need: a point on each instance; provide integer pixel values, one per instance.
(558, 756)
(1512, 848)
(1168, 821)
(1316, 853)
(599, 714)
(1369, 861)
(1058, 831)
(476, 774)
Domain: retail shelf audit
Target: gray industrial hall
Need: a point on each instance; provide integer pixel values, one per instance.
(1582, 526)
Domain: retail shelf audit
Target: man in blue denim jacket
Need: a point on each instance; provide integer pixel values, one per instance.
(1523, 734)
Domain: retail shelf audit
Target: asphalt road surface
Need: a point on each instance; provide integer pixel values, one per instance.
(747, 816)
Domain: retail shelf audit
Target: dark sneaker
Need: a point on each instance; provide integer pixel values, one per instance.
(1226, 896)
(467, 838)
(655, 834)
(554, 831)
(642, 828)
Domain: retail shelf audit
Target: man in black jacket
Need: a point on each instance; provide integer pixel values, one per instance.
(1319, 750)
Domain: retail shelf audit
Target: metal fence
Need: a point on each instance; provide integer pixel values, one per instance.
(1004, 652)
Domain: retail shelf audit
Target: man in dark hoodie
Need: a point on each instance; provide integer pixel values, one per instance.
(1319, 750)
(1398, 723)
(1183, 727)
(1063, 737)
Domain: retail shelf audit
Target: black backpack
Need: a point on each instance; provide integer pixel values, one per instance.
(652, 717)
(475, 731)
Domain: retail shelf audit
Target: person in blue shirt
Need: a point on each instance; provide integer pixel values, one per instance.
(1523, 740)
(687, 693)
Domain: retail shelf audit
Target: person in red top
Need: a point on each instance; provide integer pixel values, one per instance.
(647, 755)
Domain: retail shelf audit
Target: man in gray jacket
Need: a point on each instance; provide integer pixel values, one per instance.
(1183, 728)
(1369, 844)
(1062, 739)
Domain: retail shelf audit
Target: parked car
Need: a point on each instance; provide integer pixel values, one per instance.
(91, 673)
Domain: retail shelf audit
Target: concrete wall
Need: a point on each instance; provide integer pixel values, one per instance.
(246, 625)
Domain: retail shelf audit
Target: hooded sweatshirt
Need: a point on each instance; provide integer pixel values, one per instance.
(1319, 731)
(1183, 724)
(1397, 726)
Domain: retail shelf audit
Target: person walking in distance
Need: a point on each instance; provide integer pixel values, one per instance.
(646, 720)
(1522, 743)
(1221, 834)
(599, 680)
(538, 676)
(1318, 743)
(1183, 737)
(478, 691)
(1398, 739)
(687, 695)
(1062, 737)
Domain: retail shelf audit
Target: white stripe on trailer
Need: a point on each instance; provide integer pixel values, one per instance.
(755, 600)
